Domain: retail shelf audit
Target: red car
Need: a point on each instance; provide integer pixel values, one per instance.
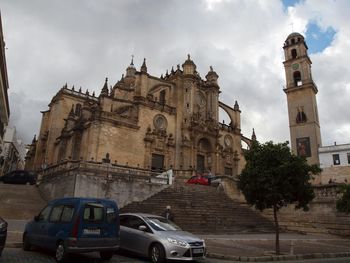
(198, 179)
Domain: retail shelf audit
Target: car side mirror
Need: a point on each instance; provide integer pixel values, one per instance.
(142, 228)
(36, 218)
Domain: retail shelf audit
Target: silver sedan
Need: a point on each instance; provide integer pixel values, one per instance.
(158, 238)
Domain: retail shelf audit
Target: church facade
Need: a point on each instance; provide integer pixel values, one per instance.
(144, 121)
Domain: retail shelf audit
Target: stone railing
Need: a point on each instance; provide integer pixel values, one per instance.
(328, 192)
(183, 174)
(107, 169)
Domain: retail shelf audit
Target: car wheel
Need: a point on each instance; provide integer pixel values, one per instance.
(106, 255)
(26, 245)
(61, 253)
(157, 253)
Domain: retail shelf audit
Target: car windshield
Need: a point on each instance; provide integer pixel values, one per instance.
(161, 224)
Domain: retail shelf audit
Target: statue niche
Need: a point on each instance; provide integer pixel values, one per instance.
(129, 112)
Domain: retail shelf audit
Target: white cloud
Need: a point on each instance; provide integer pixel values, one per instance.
(82, 42)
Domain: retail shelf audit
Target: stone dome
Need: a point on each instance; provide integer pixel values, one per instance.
(295, 34)
(294, 38)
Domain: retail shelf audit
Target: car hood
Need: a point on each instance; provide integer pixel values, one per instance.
(180, 235)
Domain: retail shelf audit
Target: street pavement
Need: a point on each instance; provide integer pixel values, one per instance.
(258, 245)
(17, 255)
(221, 248)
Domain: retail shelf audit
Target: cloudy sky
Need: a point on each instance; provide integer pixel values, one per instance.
(49, 43)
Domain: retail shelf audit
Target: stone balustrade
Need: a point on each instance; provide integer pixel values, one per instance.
(107, 169)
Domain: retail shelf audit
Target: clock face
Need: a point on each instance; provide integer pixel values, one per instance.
(295, 66)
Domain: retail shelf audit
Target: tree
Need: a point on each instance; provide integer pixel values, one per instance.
(273, 178)
(343, 204)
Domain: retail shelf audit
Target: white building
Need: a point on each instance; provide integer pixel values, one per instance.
(4, 102)
(14, 152)
(334, 155)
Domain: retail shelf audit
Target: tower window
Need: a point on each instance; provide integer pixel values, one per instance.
(301, 116)
(293, 41)
(294, 53)
(336, 159)
(297, 78)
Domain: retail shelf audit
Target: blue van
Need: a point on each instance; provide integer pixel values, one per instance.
(75, 225)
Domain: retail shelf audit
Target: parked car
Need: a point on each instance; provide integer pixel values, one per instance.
(158, 238)
(199, 179)
(205, 180)
(75, 225)
(3, 234)
(19, 177)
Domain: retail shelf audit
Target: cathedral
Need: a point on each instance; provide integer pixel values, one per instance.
(153, 123)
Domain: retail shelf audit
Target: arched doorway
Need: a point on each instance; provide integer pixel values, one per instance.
(204, 158)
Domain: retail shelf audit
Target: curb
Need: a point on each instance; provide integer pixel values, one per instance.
(278, 258)
(13, 245)
(247, 258)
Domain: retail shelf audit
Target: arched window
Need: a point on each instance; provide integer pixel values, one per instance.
(293, 41)
(294, 53)
(301, 117)
(297, 78)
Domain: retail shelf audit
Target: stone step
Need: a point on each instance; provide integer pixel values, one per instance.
(21, 202)
(203, 209)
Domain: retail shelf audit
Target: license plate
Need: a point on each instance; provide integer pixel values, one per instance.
(198, 250)
(92, 231)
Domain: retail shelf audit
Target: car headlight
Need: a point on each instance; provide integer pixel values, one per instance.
(177, 242)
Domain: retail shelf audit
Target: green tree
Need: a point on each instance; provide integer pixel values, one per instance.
(273, 178)
(343, 204)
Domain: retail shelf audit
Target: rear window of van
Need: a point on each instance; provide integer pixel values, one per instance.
(93, 212)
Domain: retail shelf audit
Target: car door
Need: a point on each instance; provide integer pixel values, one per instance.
(39, 227)
(53, 226)
(135, 239)
(125, 238)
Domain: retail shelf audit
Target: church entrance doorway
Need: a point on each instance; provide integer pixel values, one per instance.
(204, 155)
(157, 162)
(200, 163)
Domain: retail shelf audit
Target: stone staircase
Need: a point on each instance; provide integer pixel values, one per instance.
(20, 202)
(203, 210)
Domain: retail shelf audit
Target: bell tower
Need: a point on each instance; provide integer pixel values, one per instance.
(301, 93)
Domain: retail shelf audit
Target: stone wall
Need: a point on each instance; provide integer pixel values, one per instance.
(322, 216)
(75, 179)
(336, 174)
